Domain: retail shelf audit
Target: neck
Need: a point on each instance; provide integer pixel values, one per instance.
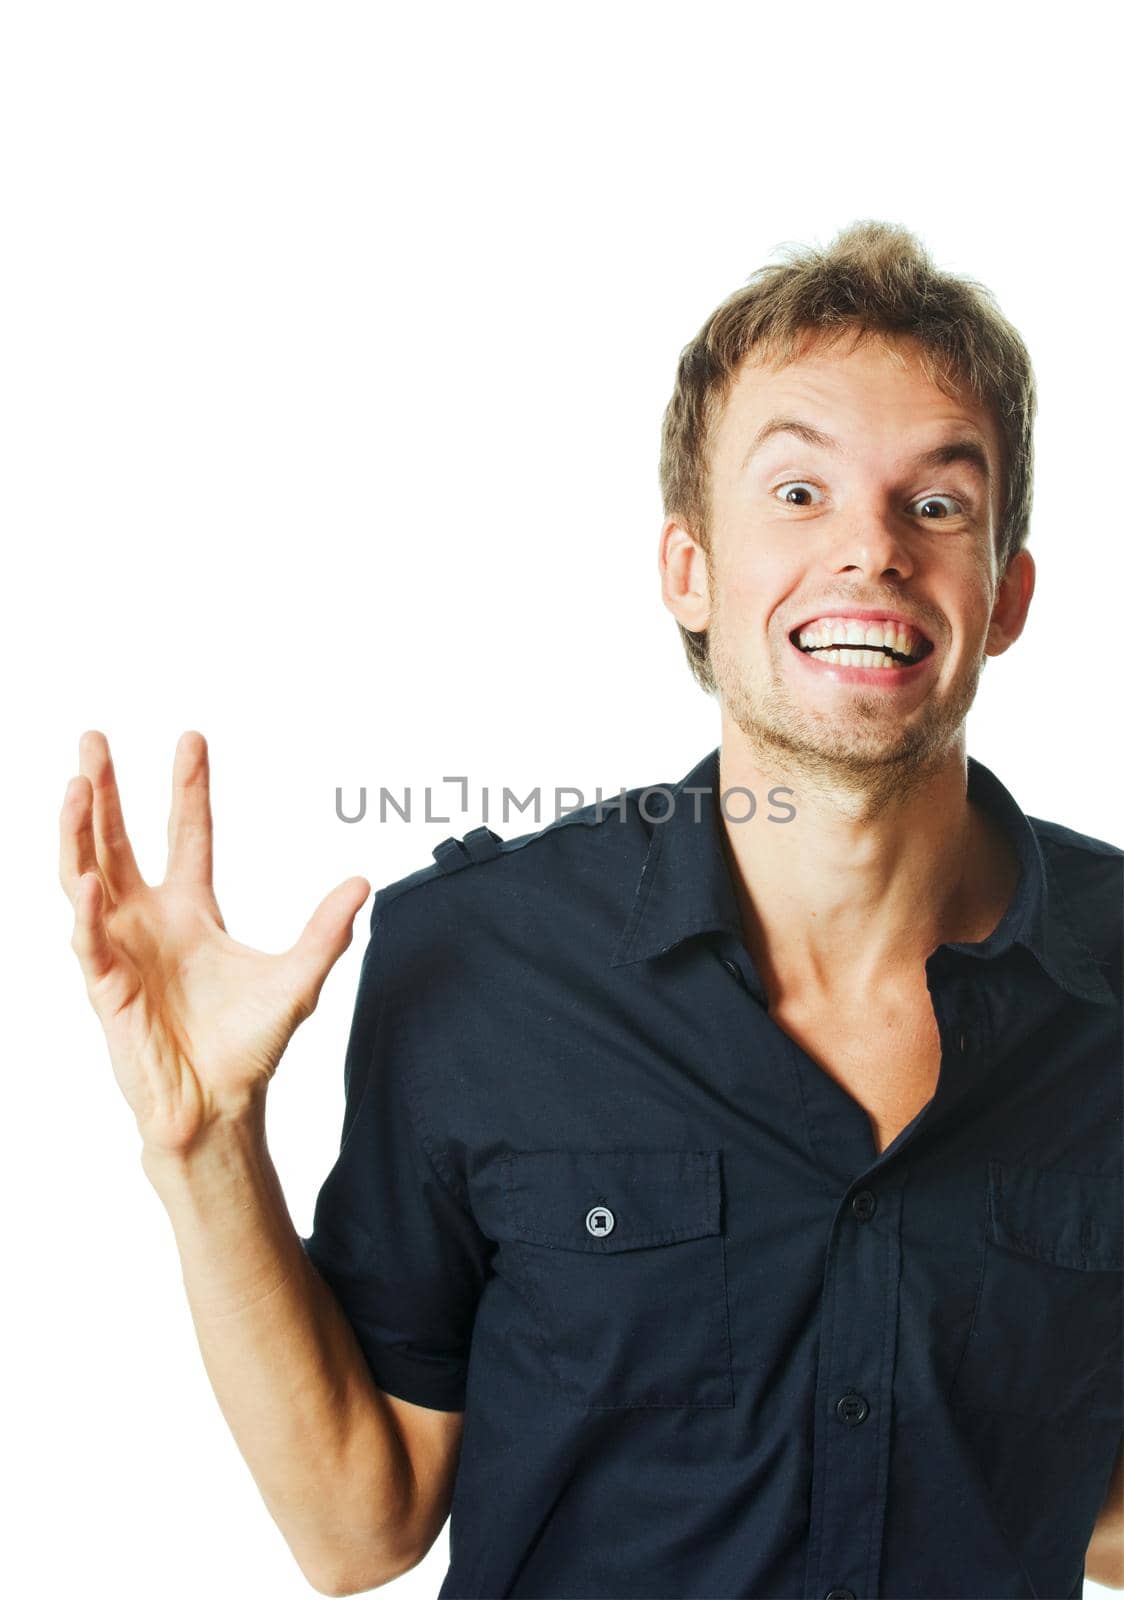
(856, 891)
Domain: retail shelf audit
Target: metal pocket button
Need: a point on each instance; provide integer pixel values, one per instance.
(599, 1220)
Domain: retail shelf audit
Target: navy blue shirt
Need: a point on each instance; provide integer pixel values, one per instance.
(708, 1341)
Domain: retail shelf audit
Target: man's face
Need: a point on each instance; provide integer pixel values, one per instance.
(800, 529)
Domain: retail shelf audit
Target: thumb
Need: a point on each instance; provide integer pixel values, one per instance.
(326, 936)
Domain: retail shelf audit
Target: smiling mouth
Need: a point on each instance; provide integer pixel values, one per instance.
(842, 654)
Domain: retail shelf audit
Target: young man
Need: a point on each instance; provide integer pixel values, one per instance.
(724, 1207)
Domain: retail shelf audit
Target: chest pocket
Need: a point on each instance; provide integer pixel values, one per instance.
(1045, 1337)
(621, 1255)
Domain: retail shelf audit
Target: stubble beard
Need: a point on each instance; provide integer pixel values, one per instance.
(865, 752)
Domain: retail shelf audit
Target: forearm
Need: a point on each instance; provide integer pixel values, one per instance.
(290, 1378)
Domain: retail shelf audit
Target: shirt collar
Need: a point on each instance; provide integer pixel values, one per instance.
(686, 888)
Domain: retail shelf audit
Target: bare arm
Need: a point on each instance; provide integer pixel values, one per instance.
(1104, 1559)
(319, 1437)
(358, 1483)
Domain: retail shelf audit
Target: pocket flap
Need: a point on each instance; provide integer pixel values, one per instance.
(631, 1198)
(1072, 1219)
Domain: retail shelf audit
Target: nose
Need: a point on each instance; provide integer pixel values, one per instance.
(873, 546)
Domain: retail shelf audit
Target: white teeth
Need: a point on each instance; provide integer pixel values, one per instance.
(843, 630)
(859, 658)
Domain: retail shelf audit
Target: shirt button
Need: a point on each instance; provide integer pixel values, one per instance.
(864, 1205)
(733, 969)
(852, 1409)
(599, 1220)
(839, 1594)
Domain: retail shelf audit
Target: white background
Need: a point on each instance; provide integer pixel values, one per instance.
(335, 345)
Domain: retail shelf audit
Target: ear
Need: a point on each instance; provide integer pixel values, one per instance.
(684, 579)
(1012, 602)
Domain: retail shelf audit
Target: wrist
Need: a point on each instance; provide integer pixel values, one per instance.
(223, 1146)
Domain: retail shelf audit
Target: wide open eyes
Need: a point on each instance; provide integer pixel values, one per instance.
(800, 485)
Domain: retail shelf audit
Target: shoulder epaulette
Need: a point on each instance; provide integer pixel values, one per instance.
(479, 844)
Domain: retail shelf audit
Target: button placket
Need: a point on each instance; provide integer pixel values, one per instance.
(854, 1388)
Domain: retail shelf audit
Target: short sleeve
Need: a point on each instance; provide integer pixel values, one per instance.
(401, 1252)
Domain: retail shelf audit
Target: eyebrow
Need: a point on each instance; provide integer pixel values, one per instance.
(965, 449)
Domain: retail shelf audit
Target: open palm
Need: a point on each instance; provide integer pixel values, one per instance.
(195, 1021)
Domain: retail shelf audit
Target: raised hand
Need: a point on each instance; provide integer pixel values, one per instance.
(195, 1021)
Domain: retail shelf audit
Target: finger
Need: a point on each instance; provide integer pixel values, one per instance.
(90, 939)
(114, 852)
(326, 936)
(76, 835)
(189, 823)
